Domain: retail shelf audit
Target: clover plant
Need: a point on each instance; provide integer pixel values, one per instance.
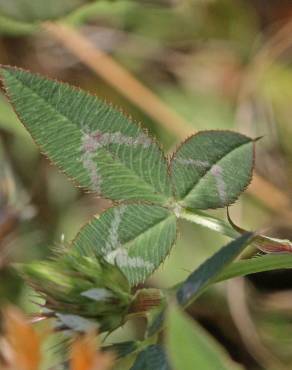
(98, 281)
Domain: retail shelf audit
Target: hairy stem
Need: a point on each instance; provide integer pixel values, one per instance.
(210, 222)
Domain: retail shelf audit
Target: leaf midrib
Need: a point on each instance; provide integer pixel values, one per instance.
(131, 240)
(75, 126)
(126, 244)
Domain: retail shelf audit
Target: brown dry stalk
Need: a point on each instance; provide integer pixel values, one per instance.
(118, 77)
(269, 195)
(123, 81)
(272, 49)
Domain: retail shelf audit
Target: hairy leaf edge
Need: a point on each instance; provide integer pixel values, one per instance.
(104, 101)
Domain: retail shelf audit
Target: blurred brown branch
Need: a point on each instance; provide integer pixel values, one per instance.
(273, 48)
(239, 310)
(112, 72)
(119, 78)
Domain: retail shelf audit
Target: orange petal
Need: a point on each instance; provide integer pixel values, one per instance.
(24, 341)
(85, 356)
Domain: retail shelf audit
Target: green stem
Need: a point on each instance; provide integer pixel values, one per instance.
(210, 222)
(145, 300)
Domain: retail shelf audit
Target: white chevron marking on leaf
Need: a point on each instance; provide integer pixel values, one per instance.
(113, 239)
(121, 257)
(217, 172)
(89, 164)
(91, 141)
(194, 162)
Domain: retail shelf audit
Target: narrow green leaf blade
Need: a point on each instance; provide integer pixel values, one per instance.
(255, 265)
(90, 141)
(152, 358)
(189, 347)
(210, 269)
(212, 168)
(136, 237)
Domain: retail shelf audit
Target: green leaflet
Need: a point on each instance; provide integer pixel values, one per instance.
(38, 10)
(189, 347)
(210, 269)
(136, 237)
(212, 168)
(151, 358)
(90, 141)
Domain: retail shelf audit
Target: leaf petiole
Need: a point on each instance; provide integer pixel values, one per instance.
(210, 222)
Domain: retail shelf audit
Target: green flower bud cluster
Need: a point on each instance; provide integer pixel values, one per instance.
(80, 291)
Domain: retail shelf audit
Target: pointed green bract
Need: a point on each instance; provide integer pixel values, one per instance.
(91, 142)
(210, 269)
(212, 168)
(189, 347)
(66, 284)
(136, 237)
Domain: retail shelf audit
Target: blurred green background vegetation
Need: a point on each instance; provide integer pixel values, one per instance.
(219, 64)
